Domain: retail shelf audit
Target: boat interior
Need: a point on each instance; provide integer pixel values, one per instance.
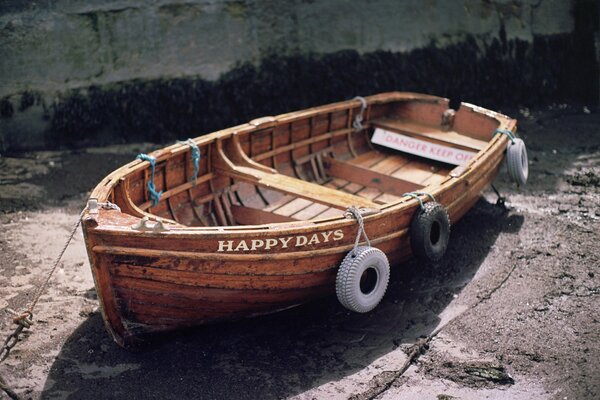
(310, 165)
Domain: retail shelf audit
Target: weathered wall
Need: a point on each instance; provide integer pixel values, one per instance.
(72, 72)
(67, 44)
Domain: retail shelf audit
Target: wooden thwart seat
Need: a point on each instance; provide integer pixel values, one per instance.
(299, 188)
(430, 133)
(369, 178)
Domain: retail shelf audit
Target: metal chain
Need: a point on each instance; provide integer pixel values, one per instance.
(24, 320)
(352, 211)
(501, 202)
(8, 390)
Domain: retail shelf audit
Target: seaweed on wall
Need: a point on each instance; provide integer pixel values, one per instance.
(500, 73)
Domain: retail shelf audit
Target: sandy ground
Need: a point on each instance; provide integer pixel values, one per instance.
(512, 311)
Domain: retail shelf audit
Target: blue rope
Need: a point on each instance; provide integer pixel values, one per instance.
(152, 193)
(506, 132)
(416, 195)
(195, 157)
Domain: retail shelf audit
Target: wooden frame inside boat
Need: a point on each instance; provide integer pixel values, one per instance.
(263, 227)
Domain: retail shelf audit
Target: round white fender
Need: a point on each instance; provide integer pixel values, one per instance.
(516, 160)
(362, 279)
(430, 232)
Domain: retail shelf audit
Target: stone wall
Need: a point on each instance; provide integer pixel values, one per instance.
(54, 54)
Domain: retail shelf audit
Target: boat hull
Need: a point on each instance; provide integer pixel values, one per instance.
(152, 281)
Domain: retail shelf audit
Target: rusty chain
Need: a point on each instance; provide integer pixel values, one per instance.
(8, 390)
(24, 320)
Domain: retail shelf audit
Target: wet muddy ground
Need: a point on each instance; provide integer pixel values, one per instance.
(511, 312)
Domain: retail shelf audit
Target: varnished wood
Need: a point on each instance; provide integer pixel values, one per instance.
(308, 190)
(186, 186)
(253, 216)
(266, 230)
(370, 178)
(324, 137)
(434, 134)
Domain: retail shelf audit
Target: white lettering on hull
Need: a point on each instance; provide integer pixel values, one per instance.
(280, 243)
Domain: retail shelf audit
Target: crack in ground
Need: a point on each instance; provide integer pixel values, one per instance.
(384, 380)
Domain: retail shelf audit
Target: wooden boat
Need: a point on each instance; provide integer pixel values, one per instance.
(263, 223)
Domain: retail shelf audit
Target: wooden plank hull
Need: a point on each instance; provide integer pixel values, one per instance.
(232, 250)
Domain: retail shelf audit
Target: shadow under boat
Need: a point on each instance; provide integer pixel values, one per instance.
(284, 354)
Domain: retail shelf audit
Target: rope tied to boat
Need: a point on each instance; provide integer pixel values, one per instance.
(354, 212)
(506, 132)
(358, 119)
(416, 195)
(42, 288)
(24, 320)
(152, 193)
(195, 157)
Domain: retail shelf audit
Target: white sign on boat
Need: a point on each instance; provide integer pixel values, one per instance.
(421, 148)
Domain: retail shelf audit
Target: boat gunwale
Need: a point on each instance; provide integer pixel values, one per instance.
(337, 223)
(269, 256)
(177, 148)
(495, 144)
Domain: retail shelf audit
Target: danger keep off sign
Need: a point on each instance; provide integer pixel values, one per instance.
(421, 148)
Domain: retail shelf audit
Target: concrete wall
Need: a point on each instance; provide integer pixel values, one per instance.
(62, 44)
(50, 48)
